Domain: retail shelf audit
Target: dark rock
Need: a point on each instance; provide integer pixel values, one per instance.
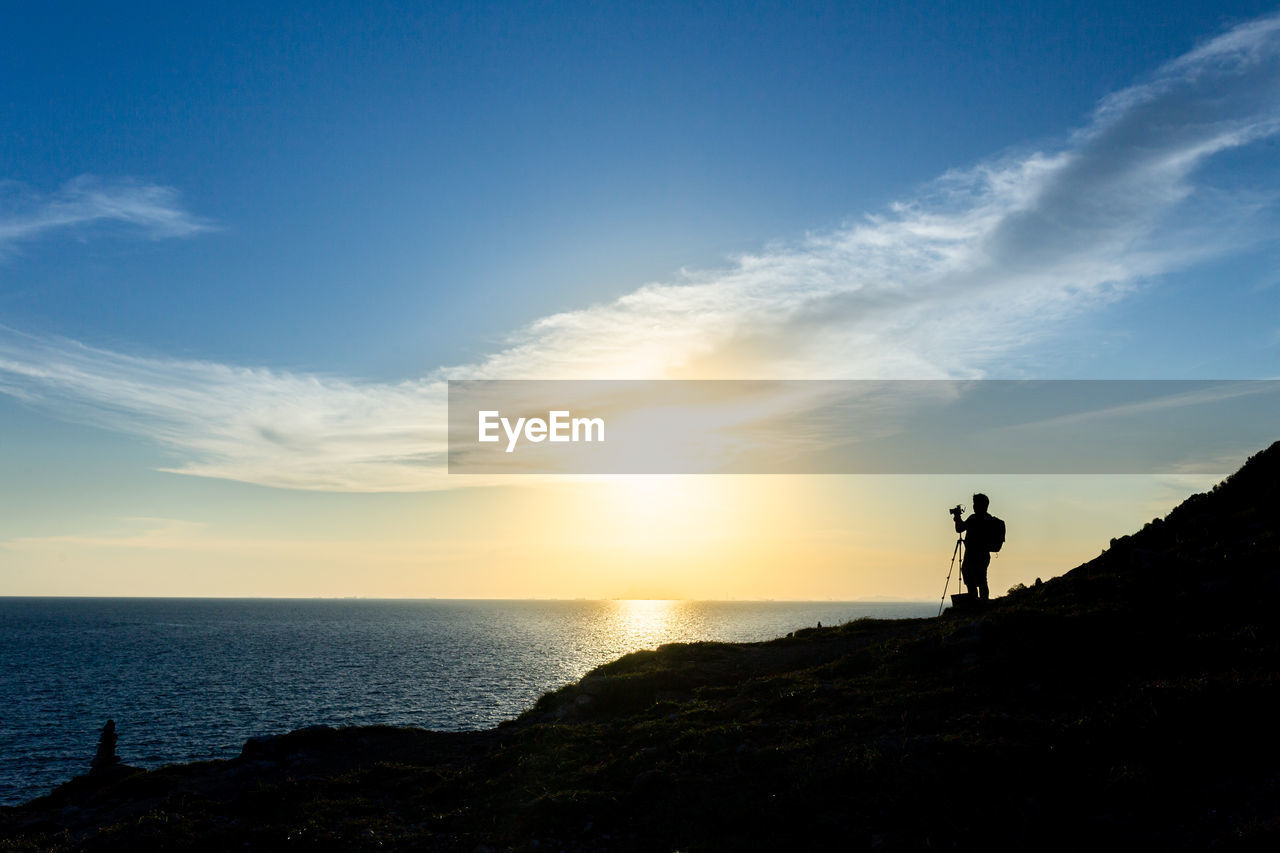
(106, 757)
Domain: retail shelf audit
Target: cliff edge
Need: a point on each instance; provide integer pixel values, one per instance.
(1132, 701)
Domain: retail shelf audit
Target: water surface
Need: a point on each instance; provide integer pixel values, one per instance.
(192, 679)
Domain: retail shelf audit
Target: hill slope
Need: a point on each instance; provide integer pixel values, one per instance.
(1133, 700)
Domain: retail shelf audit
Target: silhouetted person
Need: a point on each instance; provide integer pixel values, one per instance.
(106, 757)
(984, 533)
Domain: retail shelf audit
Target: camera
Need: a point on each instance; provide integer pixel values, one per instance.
(957, 510)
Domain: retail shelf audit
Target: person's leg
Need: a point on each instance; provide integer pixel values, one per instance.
(980, 576)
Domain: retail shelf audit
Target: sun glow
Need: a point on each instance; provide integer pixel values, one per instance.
(645, 512)
(645, 622)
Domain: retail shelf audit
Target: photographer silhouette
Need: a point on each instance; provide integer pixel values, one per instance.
(984, 533)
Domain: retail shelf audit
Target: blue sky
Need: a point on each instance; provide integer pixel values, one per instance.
(249, 242)
(372, 168)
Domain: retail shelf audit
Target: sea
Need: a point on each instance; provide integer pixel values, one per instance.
(193, 679)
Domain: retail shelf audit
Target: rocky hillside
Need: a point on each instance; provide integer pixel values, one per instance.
(1132, 701)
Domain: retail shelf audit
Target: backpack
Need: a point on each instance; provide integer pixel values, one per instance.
(996, 533)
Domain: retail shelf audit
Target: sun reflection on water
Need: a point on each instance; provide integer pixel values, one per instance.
(648, 622)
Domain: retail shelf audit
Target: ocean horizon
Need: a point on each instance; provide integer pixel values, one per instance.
(191, 679)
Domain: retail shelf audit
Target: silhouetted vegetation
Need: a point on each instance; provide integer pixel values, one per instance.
(1129, 703)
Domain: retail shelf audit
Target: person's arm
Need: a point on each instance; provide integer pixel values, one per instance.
(961, 524)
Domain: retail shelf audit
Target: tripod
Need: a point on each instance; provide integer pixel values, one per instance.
(958, 552)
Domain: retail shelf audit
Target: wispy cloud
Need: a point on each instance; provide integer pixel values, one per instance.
(154, 211)
(249, 424)
(983, 263)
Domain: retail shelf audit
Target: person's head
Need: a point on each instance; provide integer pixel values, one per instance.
(981, 502)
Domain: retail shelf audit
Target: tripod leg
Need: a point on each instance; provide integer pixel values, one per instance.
(954, 553)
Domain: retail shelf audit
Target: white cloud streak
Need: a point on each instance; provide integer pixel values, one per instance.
(249, 424)
(154, 211)
(983, 263)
